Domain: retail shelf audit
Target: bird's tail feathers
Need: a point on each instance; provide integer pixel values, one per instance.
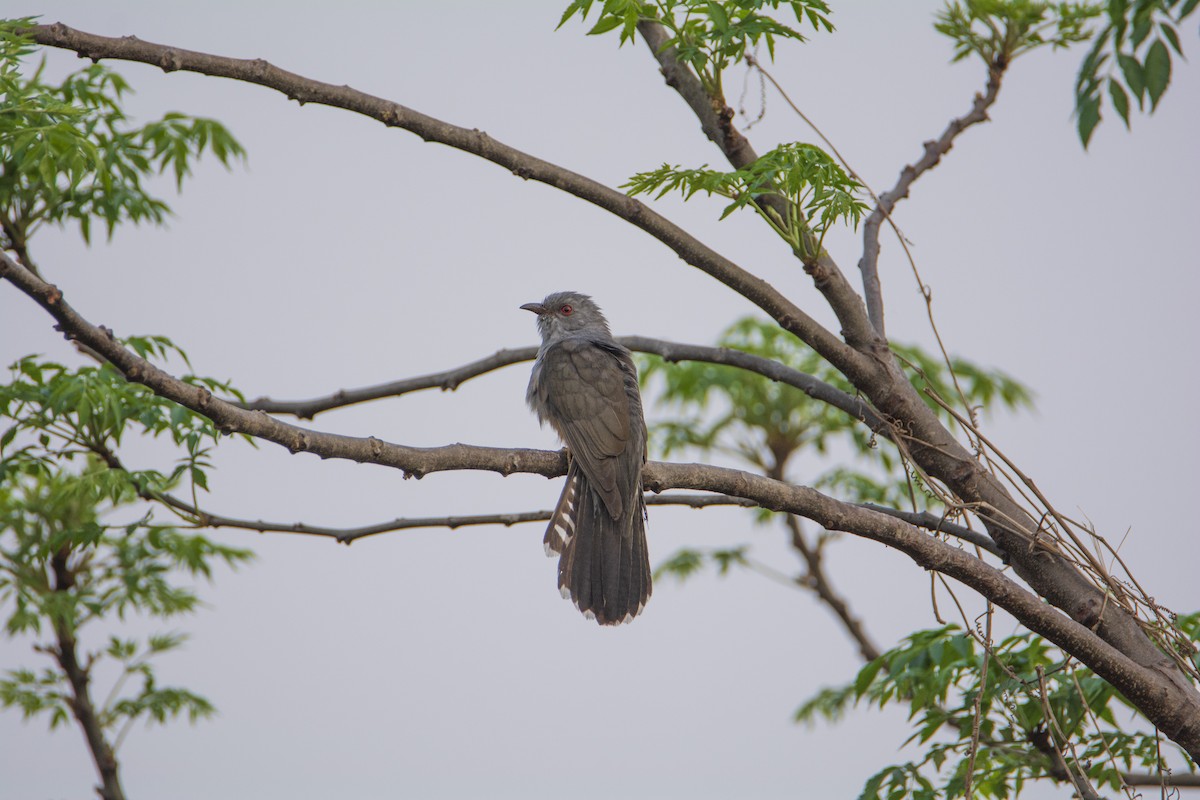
(603, 566)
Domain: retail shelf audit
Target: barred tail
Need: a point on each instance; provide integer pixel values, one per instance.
(603, 565)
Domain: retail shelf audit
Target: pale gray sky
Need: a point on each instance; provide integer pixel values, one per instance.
(443, 664)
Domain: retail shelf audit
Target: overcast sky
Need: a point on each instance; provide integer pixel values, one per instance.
(443, 664)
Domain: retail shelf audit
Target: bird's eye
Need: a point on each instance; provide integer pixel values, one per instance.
(566, 311)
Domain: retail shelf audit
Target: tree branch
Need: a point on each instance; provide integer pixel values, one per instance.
(818, 582)
(932, 522)
(1186, 780)
(1167, 704)
(305, 90)
(447, 381)
(716, 120)
(868, 265)
(451, 379)
(351, 535)
(66, 653)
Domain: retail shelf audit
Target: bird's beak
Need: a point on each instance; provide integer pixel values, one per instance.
(536, 308)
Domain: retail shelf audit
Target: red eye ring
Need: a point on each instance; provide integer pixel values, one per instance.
(566, 311)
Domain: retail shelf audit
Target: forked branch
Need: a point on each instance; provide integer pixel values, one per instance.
(1166, 704)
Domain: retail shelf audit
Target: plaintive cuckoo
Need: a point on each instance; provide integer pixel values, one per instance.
(585, 385)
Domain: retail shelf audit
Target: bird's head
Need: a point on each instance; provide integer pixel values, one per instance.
(564, 313)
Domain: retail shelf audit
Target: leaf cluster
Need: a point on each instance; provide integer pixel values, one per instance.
(708, 35)
(69, 153)
(58, 414)
(938, 675)
(63, 562)
(1130, 60)
(62, 566)
(818, 191)
(998, 31)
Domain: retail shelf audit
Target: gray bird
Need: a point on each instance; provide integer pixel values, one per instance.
(585, 385)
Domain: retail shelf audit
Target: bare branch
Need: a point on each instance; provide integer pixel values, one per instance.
(1184, 780)
(451, 379)
(306, 90)
(350, 535)
(818, 582)
(868, 265)
(447, 381)
(932, 522)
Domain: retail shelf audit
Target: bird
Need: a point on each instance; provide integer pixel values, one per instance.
(585, 385)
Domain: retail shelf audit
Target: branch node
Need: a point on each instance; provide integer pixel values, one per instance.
(170, 61)
(299, 444)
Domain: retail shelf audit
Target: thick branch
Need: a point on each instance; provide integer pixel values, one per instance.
(1168, 705)
(868, 265)
(1153, 695)
(305, 90)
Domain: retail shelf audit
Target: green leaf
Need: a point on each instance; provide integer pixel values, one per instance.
(605, 25)
(1158, 71)
(1120, 100)
(1135, 78)
(1088, 118)
(1171, 36)
(719, 19)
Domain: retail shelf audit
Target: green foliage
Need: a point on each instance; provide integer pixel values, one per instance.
(708, 36)
(71, 552)
(687, 563)
(819, 192)
(63, 566)
(59, 414)
(999, 31)
(64, 560)
(937, 675)
(69, 153)
(1130, 60)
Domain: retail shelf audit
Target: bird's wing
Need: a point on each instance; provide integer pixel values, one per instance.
(590, 411)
